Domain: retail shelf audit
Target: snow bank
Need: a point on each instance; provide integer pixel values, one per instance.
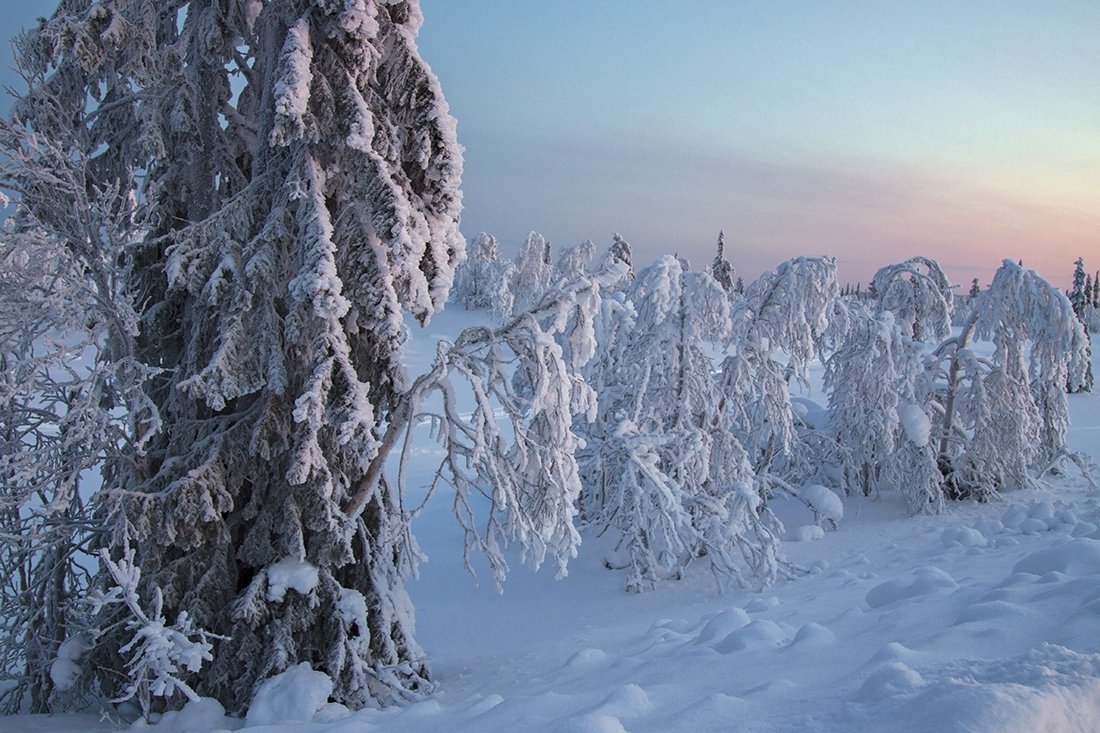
(1050, 689)
(295, 695)
(205, 715)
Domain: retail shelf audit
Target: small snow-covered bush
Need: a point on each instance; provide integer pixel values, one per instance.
(159, 655)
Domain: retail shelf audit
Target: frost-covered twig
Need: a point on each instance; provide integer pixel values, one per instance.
(159, 654)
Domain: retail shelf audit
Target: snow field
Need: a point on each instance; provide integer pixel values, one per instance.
(983, 619)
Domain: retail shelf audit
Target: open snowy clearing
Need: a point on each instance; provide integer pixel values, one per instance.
(985, 618)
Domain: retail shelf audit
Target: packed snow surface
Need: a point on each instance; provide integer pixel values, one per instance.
(983, 619)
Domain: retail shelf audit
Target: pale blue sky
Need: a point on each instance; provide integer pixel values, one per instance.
(965, 131)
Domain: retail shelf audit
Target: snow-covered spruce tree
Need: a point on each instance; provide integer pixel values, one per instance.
(534, 272)
(288, 228)
(661, 465)
(785, 319)
(721, 269)
(574, 261)
(620, 251)
(1078, 294)
(480, 280)
(1080, 299)
(70, 407)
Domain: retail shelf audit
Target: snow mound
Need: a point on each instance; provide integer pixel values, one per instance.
(813, 634)
(1075, 558)
(624, 702)
(891, 678)
(723, 624)
(205, 715)
(295, 695)
(806, 533)
(586, 658)
(964, 536)
(927, 580)
(991, 611)
(762, 634)
(826, 505)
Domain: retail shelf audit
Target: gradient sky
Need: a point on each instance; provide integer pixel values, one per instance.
(964, 131)
(872, 131)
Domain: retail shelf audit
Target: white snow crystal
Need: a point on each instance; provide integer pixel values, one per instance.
(290, 573)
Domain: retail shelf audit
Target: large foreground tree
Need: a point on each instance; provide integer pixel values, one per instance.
(298, 195)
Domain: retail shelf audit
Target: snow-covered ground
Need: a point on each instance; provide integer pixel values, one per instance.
(986, 618)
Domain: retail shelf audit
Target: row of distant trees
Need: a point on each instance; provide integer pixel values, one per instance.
(686, 448)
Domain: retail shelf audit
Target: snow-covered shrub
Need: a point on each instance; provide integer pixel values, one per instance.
(159, 655)
(517, 449)
(919, 295)
(482, 280)
(875, 412)
(952, 423)
(71, 405)
(785, 319)
(661, 465)
(534, 272)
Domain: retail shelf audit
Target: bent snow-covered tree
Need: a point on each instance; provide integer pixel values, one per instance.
(662, 466)
(1011, 408)
(786, 319)
(70, 399)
